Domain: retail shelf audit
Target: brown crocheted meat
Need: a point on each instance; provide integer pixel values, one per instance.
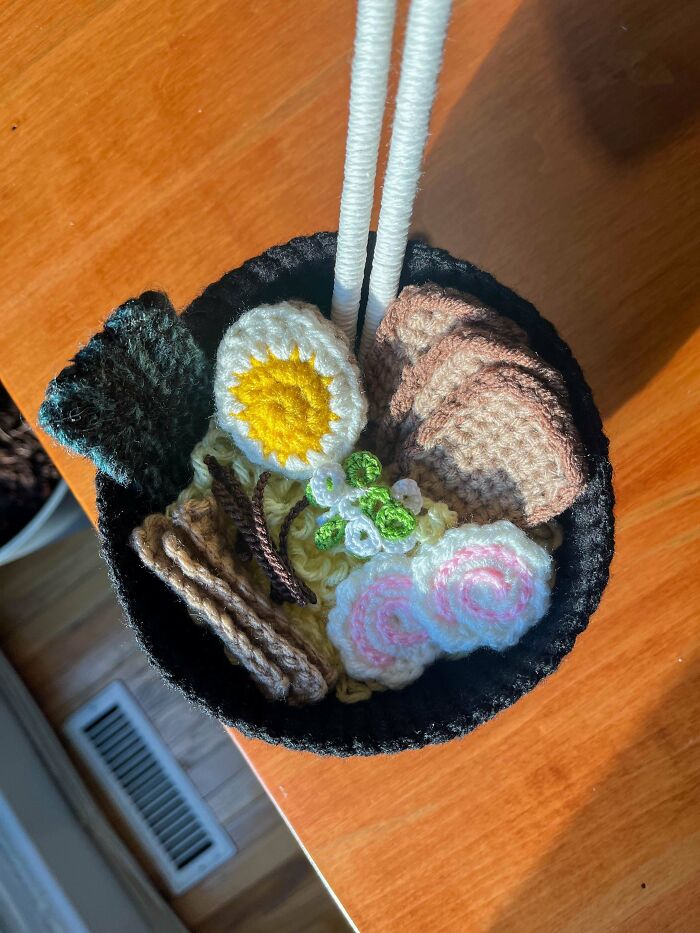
(188, 558)
(420, 317)
(445, 367)
(502, 445)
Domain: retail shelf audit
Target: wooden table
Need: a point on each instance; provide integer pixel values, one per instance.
(159, 144)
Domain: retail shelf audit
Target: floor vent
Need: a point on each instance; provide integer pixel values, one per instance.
(135, 768)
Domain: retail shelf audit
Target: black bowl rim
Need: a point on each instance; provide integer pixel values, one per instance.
(452, 697)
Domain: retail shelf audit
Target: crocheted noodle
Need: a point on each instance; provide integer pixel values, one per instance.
(321, 570)
(451, 697)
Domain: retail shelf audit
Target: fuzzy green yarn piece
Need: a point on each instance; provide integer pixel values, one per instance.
(330, 533)
(362, 469)
(394, 521)
(135, 399)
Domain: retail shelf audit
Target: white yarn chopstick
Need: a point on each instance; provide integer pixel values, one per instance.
(422, 58)
(368, 86)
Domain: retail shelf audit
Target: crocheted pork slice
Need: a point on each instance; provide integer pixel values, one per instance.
(501, 446)
(420, 317)
(445, 366)
(136, 398)
(280, 668)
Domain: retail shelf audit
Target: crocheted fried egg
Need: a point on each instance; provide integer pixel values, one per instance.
(288, 389)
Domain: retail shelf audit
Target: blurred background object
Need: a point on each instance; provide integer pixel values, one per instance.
(67, 660)
(36, 506)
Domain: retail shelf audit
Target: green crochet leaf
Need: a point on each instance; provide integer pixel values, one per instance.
(136, 399)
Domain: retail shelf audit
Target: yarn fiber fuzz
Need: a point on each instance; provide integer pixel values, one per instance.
(450, 698)
(136, 398)
(288, 389)
(481, 586)
(375, 627)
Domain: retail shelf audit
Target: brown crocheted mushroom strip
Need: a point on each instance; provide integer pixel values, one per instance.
(500, 446)
(147, 541)
(248, 515)
(446, 366)
(420, 317)
(286, 586)
(203, 522)
(307, 684)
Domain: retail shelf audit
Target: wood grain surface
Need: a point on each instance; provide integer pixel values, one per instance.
(159, 144)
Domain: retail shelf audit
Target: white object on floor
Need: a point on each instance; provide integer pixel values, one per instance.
(59, 516)
(137, 770)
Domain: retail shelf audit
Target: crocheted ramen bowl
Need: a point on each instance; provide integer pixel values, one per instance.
(453, 696)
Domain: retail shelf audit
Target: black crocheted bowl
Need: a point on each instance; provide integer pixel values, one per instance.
(452, 697)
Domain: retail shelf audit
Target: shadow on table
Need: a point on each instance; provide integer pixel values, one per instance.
(653, 788)
(609, 223)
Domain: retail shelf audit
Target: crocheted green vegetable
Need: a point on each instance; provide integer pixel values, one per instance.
(331, 533)
(362, 469)
(373, 500)
(394, 522)
(364, 517)
(135, 399)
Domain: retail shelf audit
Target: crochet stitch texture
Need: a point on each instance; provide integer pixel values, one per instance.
(450, 698)
(288, 389)
(321, 570)
(503, 446)
(135, 397)
(477, 587)
(375, 626)
(447, 365)
(419, 317)
(481, 585)
(363, 518)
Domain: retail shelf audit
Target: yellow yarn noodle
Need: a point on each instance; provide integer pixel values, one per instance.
(287, 405)
(321, 570)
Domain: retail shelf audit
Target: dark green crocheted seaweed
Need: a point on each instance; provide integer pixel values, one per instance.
(132, 395)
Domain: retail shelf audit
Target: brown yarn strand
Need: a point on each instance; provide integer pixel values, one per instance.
(293, 514)
(202, 521)
(147, 541)
(248, 515)
(307, 684)
(286, 585)
(233, 499)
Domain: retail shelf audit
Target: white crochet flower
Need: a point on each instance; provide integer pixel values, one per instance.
(288, 390)
(348, 507)
(407, 492)
(328, 485)
(374, 626)
(362, 538)
(401, 545)
(481, 585)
